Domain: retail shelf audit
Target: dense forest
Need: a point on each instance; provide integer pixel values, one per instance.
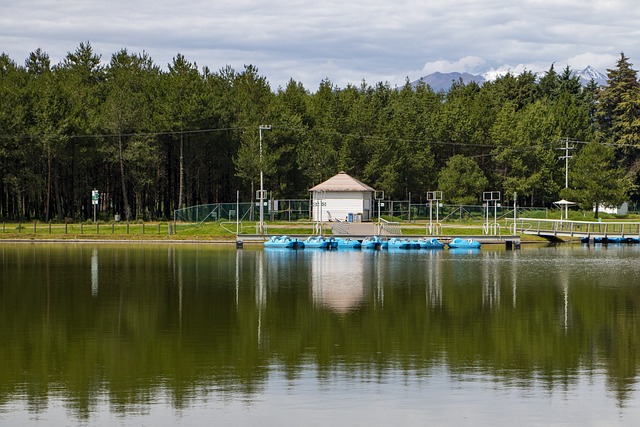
(153, 140)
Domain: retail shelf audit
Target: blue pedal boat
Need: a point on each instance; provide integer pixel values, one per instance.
(459, 243)
(348, 243)
(617, 239)
(399, 243)
(372, 242)
(283, 242)
(318, 242)
(431, 243)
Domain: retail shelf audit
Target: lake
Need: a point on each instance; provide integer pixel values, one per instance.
(194, 334)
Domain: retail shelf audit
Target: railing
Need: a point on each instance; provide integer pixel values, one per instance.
(231, 225)
(575, 228)
(389, 227)
(340, 228)
(491, 229)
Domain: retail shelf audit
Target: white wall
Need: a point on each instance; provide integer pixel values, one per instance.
(623, 209)
(338, 205)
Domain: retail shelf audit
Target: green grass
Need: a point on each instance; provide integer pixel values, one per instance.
(225, 230)
(142, 231)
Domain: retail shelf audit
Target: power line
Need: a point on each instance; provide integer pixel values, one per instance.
(113, 135)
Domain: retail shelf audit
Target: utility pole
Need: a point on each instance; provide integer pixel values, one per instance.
(515, 211)
(262, 192)
(566, 158)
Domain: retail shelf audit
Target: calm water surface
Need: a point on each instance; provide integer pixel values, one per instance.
(139, 334)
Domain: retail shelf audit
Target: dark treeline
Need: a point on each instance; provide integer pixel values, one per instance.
(153, 140)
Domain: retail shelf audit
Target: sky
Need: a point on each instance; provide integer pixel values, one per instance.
(345, 42)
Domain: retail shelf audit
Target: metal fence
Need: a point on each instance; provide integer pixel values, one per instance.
(274, 210)
(300, 210)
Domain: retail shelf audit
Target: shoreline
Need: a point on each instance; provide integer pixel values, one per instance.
(210, 241)
(92, 240)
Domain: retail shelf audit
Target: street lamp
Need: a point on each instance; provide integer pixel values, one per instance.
(261, 195)
(433, 196)
(488, 197)
(379, 196)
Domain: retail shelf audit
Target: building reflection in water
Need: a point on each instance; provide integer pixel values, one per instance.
(338, 282)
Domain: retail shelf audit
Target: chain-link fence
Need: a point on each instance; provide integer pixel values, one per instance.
(274, 210)
(300, 210)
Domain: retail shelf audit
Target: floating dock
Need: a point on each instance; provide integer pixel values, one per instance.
(553, 229)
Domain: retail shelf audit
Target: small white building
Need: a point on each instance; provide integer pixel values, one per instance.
(342, 198)
(623, 209)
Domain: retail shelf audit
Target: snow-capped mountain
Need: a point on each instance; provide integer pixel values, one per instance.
(443, 81)
(590, 73)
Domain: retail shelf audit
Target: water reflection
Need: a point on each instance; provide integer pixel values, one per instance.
(338, 282)
(94, 273)
(131, 325)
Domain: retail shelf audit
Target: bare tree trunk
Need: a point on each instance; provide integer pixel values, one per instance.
(47, 206)
(181, 174)
(127, 209)
(57, 197)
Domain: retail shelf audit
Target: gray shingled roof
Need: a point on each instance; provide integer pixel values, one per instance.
(341, 182)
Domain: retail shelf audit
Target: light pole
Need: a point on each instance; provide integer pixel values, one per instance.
(261, 195)
(433, 196)
(515, 215)
(379, 196)
(488, 197)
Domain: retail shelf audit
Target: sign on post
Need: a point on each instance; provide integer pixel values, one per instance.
(95, 198)
(491, 196)
(434, 195)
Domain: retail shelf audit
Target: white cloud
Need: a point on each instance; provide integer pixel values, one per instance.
(375, 40)
(600, 62)
(470, 64)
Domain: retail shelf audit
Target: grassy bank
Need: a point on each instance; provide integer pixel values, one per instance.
(217, 231)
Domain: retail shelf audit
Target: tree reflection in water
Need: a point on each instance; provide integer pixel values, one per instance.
(131, 323)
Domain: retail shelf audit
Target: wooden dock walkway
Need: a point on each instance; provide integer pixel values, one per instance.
(554, 229)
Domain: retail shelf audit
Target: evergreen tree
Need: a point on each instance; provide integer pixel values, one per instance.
(49, 118)
(127, 115)
(16, 149)
(595, 180)
(82, 82)
(617, 113)
(549, 84)
(462, 181)
(252, 100)
(569, 82)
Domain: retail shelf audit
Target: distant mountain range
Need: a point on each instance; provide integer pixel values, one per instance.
(443, 81)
